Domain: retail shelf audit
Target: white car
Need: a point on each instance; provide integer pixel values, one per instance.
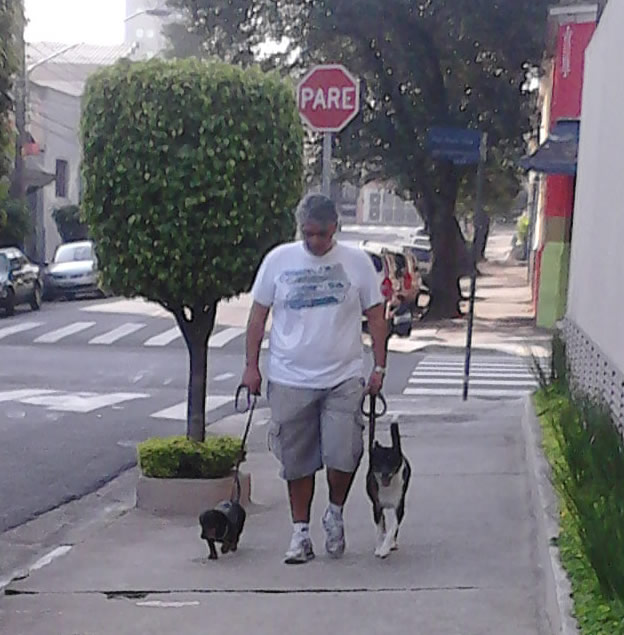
(73, 271)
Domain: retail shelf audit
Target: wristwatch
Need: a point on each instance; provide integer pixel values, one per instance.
(379, 369)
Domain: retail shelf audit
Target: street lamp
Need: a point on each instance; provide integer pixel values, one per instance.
(157, 13)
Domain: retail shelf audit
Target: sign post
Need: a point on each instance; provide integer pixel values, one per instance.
(327, 161)
(465, 147)
(479, 228)
(328, 98)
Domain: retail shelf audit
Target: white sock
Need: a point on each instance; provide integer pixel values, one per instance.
(301, 528)
(336, 510)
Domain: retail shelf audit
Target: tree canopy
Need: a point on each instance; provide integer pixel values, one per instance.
(11, 19)
(438, 62)
(192, 172)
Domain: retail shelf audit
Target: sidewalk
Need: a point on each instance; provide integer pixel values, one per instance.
(504, 313)
(468, 561)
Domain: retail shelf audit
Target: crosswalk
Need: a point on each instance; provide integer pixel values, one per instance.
(90, 402)
(104, 335)
(154, 334)
(441, 375)
(491, 376)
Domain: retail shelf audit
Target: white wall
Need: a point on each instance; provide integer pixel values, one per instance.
(595, 297)
(55, 121)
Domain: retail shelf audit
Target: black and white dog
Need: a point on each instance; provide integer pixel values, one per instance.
(386, 484)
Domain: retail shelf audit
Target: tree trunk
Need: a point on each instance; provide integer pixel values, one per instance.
(450, 256)
(448, 264)
(196, 332)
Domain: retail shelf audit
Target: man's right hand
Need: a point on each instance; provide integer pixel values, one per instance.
(252, 379)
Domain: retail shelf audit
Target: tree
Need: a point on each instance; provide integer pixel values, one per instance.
(442, 62)
(14, 221)
(11, 19)
(191, 173)
(70, 224)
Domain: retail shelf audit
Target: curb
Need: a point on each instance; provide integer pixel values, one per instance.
(557, 589)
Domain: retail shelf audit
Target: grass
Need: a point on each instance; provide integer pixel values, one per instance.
(590, 507)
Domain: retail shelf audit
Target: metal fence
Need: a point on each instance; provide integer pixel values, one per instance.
(593, 372)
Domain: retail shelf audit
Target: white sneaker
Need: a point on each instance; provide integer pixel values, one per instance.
(334, 534)
(300, 550)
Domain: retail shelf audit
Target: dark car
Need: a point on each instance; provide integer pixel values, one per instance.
(20, 281)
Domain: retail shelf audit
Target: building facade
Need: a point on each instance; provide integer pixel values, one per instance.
(571, 30)
(55, 88)
(593, 327)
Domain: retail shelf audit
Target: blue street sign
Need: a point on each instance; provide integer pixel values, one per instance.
(459, 145)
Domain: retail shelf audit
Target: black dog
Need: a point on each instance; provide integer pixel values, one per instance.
(223, 524)
(386, 484)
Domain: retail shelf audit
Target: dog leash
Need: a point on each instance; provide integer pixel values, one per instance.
(372, 413)
(243, 408)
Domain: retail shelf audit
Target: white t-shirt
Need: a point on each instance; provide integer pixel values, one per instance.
(317, 301)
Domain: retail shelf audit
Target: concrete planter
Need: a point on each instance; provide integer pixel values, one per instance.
(187, 497)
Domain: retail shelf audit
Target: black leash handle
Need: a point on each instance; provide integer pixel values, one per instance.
(372, 413)
(243, 408)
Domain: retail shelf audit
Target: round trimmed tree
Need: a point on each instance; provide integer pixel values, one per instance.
(191, 173)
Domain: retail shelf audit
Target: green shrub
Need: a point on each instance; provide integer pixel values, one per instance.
(179, 457)
(596, 614)
(590, 472)
(15, 223)
(522, 228)
(70, 224)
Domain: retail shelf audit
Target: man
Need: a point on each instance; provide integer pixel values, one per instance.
(318, 290)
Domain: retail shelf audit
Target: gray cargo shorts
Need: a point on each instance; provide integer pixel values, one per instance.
(311, 428)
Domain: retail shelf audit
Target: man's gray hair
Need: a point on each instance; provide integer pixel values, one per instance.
(317, 208)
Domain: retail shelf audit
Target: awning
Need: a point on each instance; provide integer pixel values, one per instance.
(559, 153)
(35, 178)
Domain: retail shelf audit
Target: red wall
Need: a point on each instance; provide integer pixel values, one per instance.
(569, 67)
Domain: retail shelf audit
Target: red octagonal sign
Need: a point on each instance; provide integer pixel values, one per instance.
(328, 98)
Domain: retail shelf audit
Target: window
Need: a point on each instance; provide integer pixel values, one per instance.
(61, 178)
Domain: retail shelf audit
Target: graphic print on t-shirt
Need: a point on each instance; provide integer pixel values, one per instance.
(310, 288)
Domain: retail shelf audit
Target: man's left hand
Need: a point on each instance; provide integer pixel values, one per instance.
(375, 383)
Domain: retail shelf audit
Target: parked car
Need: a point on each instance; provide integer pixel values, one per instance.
(20, 281)
(396, 284)
(73, 271)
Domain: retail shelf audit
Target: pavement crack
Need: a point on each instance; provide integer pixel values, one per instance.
(142, 594)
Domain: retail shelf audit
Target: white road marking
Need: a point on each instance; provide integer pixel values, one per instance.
(133, 306)
(481, 374)
(56, 336)
(7, 331)
(456, 392)
(224, 377)
(458, 381)
(158, 604)
(179, 411)
(116, 334)
(224, 337)
(164, 338)
(50, 557)
(474, 364)
(81, 402)
(18, 395)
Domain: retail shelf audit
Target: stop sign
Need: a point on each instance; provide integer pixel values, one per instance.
(328, 98)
